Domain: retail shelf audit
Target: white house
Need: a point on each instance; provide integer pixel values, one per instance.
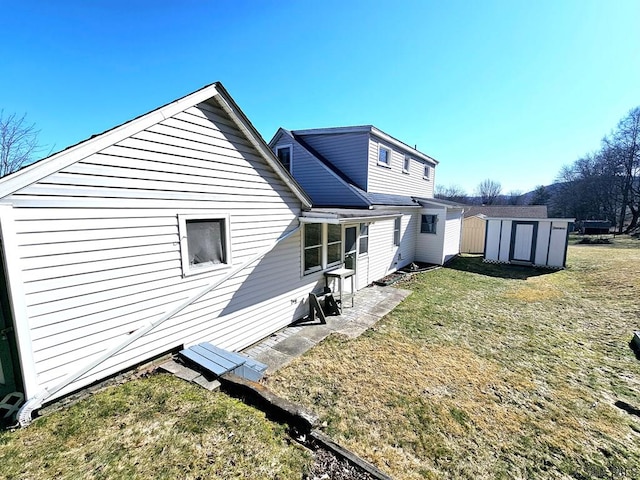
(378, 190)
(177, 227)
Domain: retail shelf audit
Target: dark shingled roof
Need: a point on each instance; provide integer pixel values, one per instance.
(507, 211)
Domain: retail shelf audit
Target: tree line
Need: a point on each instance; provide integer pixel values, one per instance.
(602, 185)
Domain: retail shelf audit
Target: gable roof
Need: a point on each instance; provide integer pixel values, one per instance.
(511, 211)
(372, 130)
(328, 166)
(212, 92)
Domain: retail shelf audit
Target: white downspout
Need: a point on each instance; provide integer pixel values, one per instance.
(36, 401)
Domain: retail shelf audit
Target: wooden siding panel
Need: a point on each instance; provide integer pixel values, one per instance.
(473, 233)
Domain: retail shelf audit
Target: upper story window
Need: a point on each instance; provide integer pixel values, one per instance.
(427, 172)
(405, 165)
(204, 242)
(428, 223)
(284, 155)
(397, 224)
(384, 156)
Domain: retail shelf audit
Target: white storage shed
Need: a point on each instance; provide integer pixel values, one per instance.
(540, 242)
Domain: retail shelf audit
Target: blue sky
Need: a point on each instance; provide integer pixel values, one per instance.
(506, 90)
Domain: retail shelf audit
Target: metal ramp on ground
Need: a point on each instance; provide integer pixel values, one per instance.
(218, 361)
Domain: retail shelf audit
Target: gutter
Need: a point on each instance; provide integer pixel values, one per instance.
(35, 402)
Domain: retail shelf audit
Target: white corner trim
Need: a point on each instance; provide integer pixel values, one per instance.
(17, 302)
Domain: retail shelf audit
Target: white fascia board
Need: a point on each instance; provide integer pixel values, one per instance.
(335, 220)
(334, 130)
(412, 151)
(63, 159)
(529, 219)
(259, 144)
(397, 207)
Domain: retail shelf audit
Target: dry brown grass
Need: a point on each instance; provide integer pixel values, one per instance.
(490, 372)
(153, 428)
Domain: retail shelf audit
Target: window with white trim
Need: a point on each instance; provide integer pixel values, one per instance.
(204, 242)
(397, 224)
(322, 246)
(284, 154)
(427, 172)
(428, 223)
(384, 156)
(364, 239)
(405, 165)
(334, 244)
(312, 247)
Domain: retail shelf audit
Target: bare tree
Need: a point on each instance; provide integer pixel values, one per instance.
(18, 142)
(453, 193)
(623, 145)
(514, 197)
(489, 191)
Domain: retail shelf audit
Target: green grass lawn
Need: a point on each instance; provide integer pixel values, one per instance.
(158, 427)
(485, 371)
(490, 371)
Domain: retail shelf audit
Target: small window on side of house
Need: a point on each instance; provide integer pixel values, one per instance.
(364, 239)
(204, 242)
(384, 156)
(312, 247)
(397, 224)
(334, 244)
(427, 172)
(284, 155)
(405, 165)
(428, 223)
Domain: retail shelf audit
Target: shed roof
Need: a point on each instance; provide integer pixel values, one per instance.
(511, 211)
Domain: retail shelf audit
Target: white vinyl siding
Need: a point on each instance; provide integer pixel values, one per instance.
(452, 235)
(99, 247)
(383, 257)
(395, 180)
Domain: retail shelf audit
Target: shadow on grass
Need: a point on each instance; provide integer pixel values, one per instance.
(475, 264)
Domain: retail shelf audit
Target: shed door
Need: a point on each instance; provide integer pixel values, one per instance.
(522, 242)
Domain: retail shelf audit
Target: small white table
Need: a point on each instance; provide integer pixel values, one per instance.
(340, 274)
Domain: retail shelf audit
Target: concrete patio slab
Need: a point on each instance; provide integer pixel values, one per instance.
(371, 304)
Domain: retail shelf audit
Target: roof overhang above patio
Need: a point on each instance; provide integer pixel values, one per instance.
(345, 215)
